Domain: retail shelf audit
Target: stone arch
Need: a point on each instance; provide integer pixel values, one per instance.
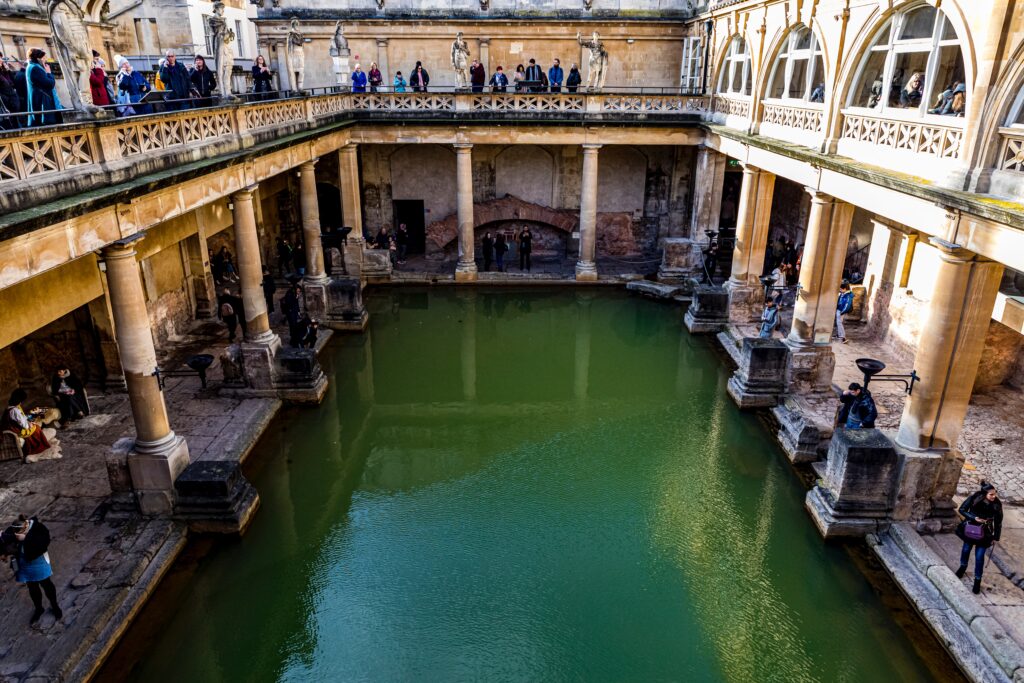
(426, 173)
(621, 179)
(774, 47)
(722, 54)
(527, 172)
(1005, 100)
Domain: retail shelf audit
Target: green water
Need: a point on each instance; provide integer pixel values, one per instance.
(525, 486)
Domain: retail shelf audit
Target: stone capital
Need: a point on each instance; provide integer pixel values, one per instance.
(463, 147)
(591, 147)
(484, 41)
(952, 252)
(819, 196)
(349, 147)
(308, 166)
(245, 194)
(382, 42)
(122, 248)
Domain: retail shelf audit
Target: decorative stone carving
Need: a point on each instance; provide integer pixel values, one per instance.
(341, 54)
(598, 60)
(295, 54)
(460, 61)
(380, 4)
(71, 43)
(588, 5)
(485, 5)
(224, 59)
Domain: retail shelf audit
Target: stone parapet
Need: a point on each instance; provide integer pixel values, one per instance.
(215, 497)
(760, 379)
(709, 311)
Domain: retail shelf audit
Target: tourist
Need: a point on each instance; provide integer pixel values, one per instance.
(857, 408)
(269, 285)
(402, 239)
(28, 427)
(944, 104)
(291, 306)
(175, 76)
(556, 75)
(375, 77)
(499, 81)
(500, 247)
(158, 83)
(419, 79)
(535, 76)
(981, 526)
(711, 261)
(518, 77)
(299, 259)
(383, 239)
(525, 248)
(99, 84)
(769, 318)
(27, 541)
(818, 94)
(217, 263)
(399, 83)
(487, 245)
(910, 96)
(229, 307)
(262, 79)
(203, 81)
(358, 80)
(70, 394)
(310, 332)
(131, 88)
(843, 306)
(41, 99)
(228, 272)
(10, 100)
(477, 76)
(572, 83)
(284, 257)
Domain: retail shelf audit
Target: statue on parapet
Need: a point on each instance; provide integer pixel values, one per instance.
(598, 60)
(460, 61)
(222, 36)
(71, 43)
(295, 54)
(339, 43)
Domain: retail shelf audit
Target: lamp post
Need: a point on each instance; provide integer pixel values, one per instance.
(871, 367)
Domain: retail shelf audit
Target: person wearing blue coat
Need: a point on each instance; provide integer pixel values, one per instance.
(132, 86)
(41, 101)
(555, 76)
(358, 80)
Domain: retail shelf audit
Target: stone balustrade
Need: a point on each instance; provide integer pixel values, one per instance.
(924, 137)
(806, 117)
(1011, 151)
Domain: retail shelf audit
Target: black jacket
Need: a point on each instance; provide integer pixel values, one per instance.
(71, 380)
(978, 506)
(203, 81)
(37, 540)
(176, 79)
(261, 80)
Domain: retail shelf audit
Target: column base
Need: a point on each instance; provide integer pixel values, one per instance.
(708, 313)
(586, 271)
(344, 309)
(376, 265)
(214, 497)
(760, 379)
(153, 468)
(810, 367)
(925, 488)
(268, 369)
(681, 260)
(352, 255)
(802, 438)
(465, 272)
(314, 293)
(745, 302)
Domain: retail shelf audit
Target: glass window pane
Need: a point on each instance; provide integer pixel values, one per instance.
(777, 85)
(947, 30)
(746, 77)
(908, 80)
(739, 46)
(798, 81)
(737, 77)
(803, 40)
(883, 35)
(868, 92)
(1020, 116)
(948, 92)
(919, 23)
(818, 80)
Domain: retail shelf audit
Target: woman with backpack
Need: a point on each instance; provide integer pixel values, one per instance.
(26, 541)
(981, 527)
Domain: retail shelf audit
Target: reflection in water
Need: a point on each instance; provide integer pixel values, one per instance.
(525, 485)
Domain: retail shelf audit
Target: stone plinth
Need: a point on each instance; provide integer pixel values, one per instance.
(154, 468)
(300, 378)
(854, 496)
(376, 265)
(760, 379)
(801, 436)
(214, 497)
(681, 260)
(924, 492)
(345, 310)
(709, 311)
(746, 302)
(268, 369)
(810, 367)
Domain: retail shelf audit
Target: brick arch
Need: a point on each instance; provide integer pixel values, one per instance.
(508, 208)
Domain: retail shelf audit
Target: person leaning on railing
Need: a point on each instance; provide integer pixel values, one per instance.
(204, 82)
(499, 81)
(261, 78)
(41, 94)
(10, 100)
(176, 79)
(99, 84)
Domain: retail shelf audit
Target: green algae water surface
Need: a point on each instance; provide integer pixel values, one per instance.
(525, 485)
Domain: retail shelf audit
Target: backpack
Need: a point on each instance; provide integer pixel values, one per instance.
(226, 310)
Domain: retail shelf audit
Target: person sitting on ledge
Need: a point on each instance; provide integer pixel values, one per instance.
(981, 526)
(70, 394)
(30, 429)
(857, 408)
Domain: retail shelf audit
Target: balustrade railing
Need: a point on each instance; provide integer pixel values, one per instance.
(925, 137)
(731, 106)
(1011, 152)
(796, 116)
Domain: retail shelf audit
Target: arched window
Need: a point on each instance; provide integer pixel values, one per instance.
(799, 70)
(734, 78)
(914, 64)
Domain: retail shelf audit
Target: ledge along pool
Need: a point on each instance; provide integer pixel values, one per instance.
(521, 485)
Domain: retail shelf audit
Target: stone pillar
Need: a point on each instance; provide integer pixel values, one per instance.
(158, 455)
(314, 285)
(256, 326)
(907, 247)
(485, 54)
(746, 295)
(382, 62)
(947, 358)
(351, 208)
(814, 316)
(880, 275)
(707, 192)
(586, 267)
(465, 270)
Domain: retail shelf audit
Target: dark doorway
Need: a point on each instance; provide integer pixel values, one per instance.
(328, 199)
(410, 212)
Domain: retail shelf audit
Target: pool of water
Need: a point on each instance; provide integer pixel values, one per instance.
(524, 485)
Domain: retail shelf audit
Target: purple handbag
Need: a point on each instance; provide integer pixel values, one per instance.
(975, 532)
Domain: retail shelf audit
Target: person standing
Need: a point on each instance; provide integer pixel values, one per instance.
(70, 394)
(261, 79)
(857, 408)
(487, 245)
(10, 99)
(269, 288)
(419, 79)
(292, 308)
(358, 80)
(175, 77)
(399, 82)
(555, 76)
(376, 78)
(99, 83)
(383, 239)
(131, 88)
(981, 526)
(203, 81)
(28, 540)
(284, 257)
(499, 81)
(310, 332)
(519, 77)
(229, 308)
(477, 76)
(535, 76)
(769, 319)
(525, 248)
(41, 99)
(402, 239)
(572, 84)
(843, 306)
(500, 247)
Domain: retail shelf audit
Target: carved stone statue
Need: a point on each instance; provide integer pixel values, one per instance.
(339, 44)
(588, 5)
(380, 4)
(224, 59)
(295, 54)
(484, 5)
(598, 60)
(460, 61)
(71, 43)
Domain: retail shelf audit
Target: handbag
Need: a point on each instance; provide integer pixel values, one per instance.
(974, 531)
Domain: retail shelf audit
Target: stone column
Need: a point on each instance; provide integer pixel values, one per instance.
(256, 326)
(755, 210)
(465, 270)
(158, 455)
(382, 62)
(814, 316)
(708, 180)
(314, 285)
(485, 54)
(586, 267)
(351, 208)
(880, 275)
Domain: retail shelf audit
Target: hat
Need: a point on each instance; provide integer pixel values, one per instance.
(854, 386)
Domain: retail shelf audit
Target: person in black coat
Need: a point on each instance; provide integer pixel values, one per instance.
(261, 78)
(500, 247)
(203, 81)
(27, 541)
(229, 308)
(981, 527)
(525, 247)
(857, 408)
(70, 394)
(291, 306)
(419, 79)
(9, 97)
(488, 248)
(269, 287)
(175, 78)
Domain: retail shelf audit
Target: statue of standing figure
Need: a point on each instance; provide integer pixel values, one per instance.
(340, 54)
(598, 60)
(460, 61)
(71, 43)
(224, 58)
(295, 54)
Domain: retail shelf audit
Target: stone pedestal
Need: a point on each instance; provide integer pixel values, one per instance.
(345, 310)
(681, 259)
(925, 489)
(154, 466)
(853, 497)
(376, 265)
(760, 379)
(314, 295)
(214, 497)
(746, 302)
(268, 369)
(810, 367)
(352, 256)
(709, 311)
(342, 68)
(801, 437)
